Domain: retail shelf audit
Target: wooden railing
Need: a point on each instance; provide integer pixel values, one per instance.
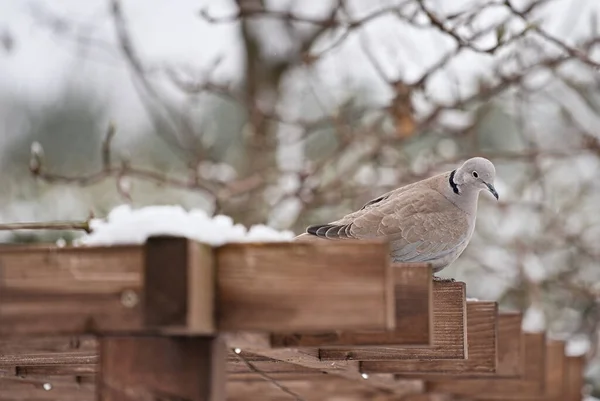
(177, 320)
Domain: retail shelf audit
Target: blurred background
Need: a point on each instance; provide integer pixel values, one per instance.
(291, 113)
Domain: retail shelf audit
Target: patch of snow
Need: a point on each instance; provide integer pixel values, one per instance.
(534, 320)
(577, 345)
(125, 225)
(472, 299)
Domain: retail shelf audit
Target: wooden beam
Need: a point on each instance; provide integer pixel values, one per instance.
(556, 371)
(309, 358)
(413, 293)
(168, 285)
(574, 380)
(150, 367)
(325, 388)
(532, 384)
(179, 285)
(482, 349)
(510, 350)
(449, 332)
(50, 290)
(306, 286)
(47, 389)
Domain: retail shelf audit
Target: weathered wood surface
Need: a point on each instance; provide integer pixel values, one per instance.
(482, 350)
(555, 372)
(179, 285)
(573, 380)
(325, 388)
(283, 287)
(413, 294)
(532, 384)
(510, 348)
(449, 332)
(48, 389)
(169, 284)
(51, 290)
(147, 367)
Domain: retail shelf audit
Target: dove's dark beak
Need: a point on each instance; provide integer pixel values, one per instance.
(492, 190)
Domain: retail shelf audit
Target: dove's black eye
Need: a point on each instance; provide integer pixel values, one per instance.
(475, 174)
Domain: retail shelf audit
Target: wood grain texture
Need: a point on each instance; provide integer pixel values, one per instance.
(179, 283)
(309, 358)
(510, 350)
(532, 384)
(413, 294)
(325, 388)
(49, 290)
(165, 285)
(318, 286)
(449, 332)
(482, 348)
(573, 380)
(62, 389)
(555, 369)
(147, 367)
(511, 345)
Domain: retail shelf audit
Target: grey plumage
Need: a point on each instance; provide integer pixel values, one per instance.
(428, 221)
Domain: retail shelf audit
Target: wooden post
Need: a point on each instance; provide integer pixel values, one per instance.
(141, 368)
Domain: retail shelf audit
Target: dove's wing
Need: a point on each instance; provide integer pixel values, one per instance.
(420, 223)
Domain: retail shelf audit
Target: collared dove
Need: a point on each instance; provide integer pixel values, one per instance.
(429, 221)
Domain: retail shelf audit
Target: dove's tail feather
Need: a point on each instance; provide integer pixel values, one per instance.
(330, 231)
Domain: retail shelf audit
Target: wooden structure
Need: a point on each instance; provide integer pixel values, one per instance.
(177, 320)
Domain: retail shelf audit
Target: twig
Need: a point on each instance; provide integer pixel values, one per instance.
(49, 225)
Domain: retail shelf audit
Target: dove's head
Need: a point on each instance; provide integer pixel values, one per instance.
(476, 174)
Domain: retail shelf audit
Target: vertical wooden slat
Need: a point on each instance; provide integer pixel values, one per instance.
(141, 368)
(574, 379)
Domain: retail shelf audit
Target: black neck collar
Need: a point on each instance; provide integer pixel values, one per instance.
(453, 184)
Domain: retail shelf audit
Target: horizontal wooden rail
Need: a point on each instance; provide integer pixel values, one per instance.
(179, 286)
(413, 294)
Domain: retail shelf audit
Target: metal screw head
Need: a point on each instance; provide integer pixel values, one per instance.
(129, 298)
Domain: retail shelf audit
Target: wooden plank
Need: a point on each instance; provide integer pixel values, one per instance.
(556, 371)
(309, 358)
(320, 286)
(574, 380)
(49, 389)
(510, 350)
(449, 328)
(168, 285)
(76, 290)
(151, 367)
(482, 345)
(413, 293)
(179, 285)
(532, 384)
(326, 388)
(511, 345)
